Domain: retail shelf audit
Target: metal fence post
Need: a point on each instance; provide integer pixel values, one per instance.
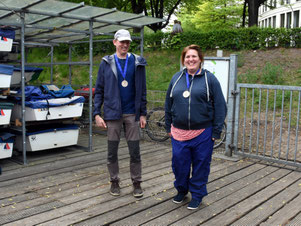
(231, 104)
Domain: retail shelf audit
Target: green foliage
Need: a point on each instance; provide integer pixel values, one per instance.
(212, 15)
(270, 74)
(227, 39)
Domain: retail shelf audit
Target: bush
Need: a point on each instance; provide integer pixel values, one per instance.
(227, 39)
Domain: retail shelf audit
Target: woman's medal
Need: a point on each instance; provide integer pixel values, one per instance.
(124, 83)
(186, 93)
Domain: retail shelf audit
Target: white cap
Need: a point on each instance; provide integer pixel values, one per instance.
(122, 35)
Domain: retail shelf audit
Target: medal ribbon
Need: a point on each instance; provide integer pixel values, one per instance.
(187, 79)
(123, 73)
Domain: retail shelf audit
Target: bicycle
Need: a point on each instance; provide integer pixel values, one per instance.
(155, 127)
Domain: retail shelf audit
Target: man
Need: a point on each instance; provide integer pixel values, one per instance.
(121, 89)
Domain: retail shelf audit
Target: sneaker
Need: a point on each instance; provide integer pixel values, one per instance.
(115, 189)
(137, 192)
(179, 197)
(194, 204)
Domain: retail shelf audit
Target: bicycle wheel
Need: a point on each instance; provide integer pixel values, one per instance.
(155, 126)
(219, 142)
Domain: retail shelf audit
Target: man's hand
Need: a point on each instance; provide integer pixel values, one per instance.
(142, 121)
(100, 122)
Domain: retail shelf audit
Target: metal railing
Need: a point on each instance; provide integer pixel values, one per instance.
(267, 119)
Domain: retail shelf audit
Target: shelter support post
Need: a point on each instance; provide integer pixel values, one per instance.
(231, 105)
(141, 40)
(22, 15)
(51, 67)
(70, 69)
(90, 82)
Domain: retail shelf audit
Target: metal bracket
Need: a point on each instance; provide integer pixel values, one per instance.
(231, 146)
(234, 92)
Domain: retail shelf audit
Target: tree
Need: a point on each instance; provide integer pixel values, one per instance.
(213, 14)
(156, 8)
(253, 6)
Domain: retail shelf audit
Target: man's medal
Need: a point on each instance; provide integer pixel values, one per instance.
(124, 83)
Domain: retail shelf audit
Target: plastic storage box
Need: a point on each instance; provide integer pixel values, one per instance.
(48, 137)
(6, 72)
(5, 112)
(6, 145)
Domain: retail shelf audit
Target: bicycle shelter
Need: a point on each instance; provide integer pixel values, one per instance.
(48, 23)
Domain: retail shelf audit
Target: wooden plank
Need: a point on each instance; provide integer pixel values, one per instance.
(214, 195)
(167, 163)
(139, 214)
(267, 208)
(78, 163)
(254, 200)
(287, 213)
(80, 182)
(93, 206)
(295, 221)
(183, 216)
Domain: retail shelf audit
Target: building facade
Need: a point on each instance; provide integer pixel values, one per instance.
(280, 13)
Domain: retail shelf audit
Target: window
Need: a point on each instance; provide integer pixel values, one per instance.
(288, 20)
(282, 17)
(296, 19)
(270, 19)
(274, 21)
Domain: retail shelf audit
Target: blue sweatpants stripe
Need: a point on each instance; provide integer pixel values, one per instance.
(196, 154)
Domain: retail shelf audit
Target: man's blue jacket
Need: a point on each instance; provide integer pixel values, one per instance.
(107, 90)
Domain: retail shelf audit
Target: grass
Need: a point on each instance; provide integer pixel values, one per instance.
(162, 65)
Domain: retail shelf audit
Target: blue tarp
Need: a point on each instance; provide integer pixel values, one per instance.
(35, 104)
(29, 69)
(7, 33)
(6, 137)
(6, 69)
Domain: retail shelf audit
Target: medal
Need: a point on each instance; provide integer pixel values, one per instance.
(186, 94)
(124, 83)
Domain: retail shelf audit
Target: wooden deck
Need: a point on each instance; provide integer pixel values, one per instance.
(70, 187)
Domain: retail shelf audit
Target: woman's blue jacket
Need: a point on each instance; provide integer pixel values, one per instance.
(205, 107)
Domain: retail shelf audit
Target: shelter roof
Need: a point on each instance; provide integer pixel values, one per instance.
(58, 21)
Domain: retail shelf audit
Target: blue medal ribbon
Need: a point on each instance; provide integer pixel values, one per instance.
(187, 78)
(123, 73)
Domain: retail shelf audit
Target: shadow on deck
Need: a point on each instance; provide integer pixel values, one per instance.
(70, 186)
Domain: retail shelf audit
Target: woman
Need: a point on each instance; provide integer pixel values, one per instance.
(195, 110)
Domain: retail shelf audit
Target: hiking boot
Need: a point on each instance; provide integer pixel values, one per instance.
(194, 204)
(115, 189)
(137, 192)
(179, 197)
